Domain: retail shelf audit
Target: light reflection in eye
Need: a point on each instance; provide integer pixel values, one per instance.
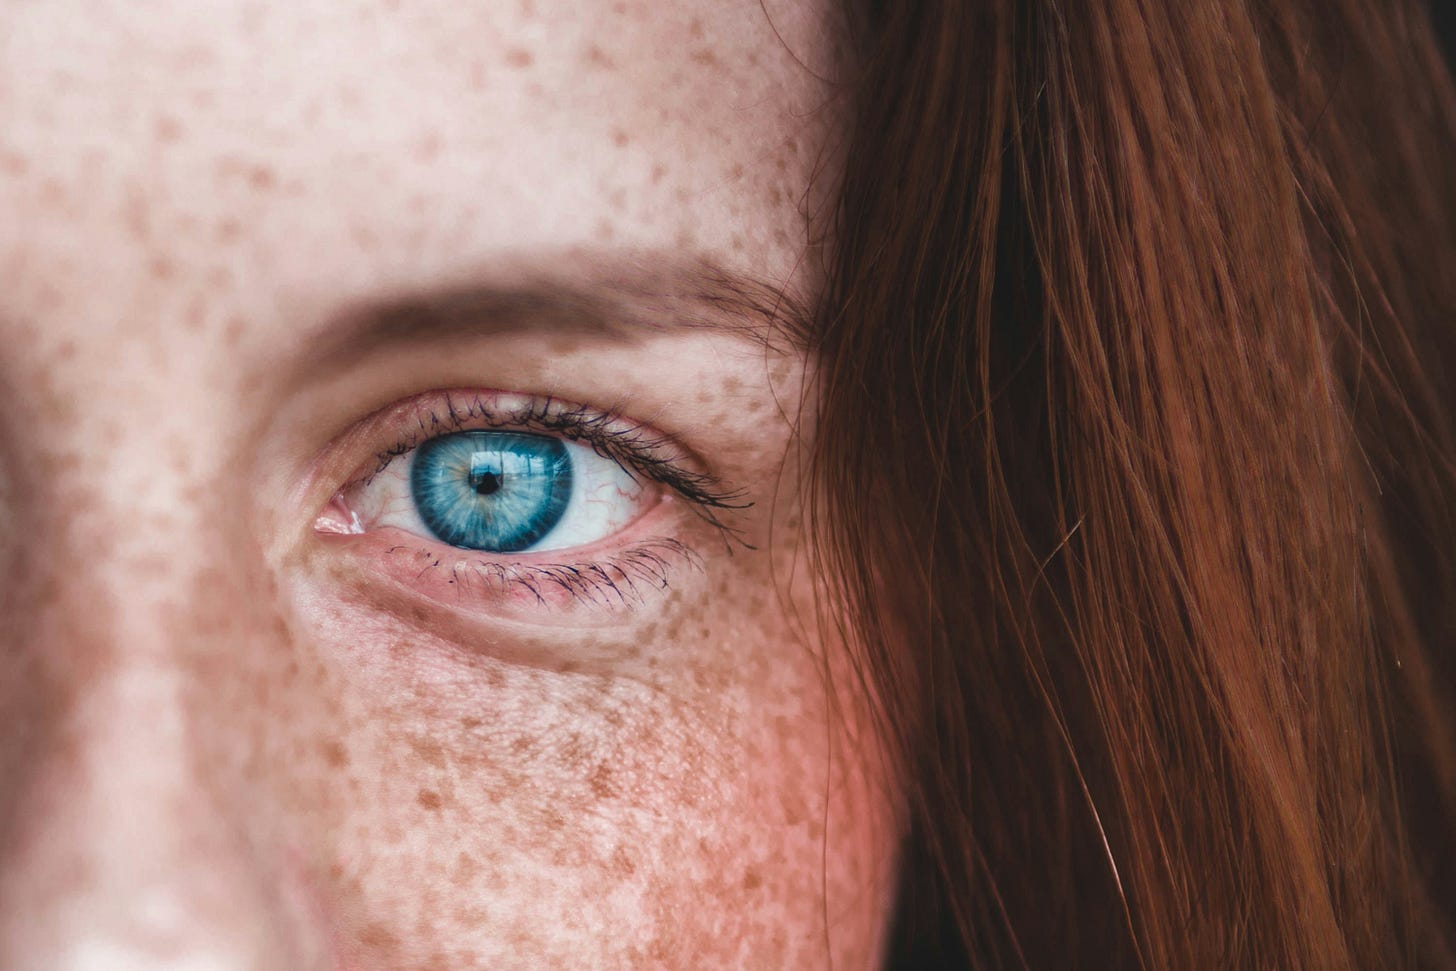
(501, 492)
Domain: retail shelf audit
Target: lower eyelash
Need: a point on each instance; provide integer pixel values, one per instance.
(621, 580)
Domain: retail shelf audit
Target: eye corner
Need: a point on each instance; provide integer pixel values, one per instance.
(337, 518)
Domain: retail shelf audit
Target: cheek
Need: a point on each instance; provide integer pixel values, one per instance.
(705, 810)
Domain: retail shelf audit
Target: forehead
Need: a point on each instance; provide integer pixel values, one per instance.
(323, 145)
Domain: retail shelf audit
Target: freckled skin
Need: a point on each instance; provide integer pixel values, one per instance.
(217, 755)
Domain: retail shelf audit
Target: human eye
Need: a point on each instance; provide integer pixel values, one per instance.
(486, 498)
(498, 491)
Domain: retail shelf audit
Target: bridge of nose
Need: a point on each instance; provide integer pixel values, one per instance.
(139, 634)
(120, 850)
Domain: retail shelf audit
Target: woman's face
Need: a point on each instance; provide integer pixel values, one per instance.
(402, 567)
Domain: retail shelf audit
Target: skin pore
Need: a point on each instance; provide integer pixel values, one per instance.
(250, 249)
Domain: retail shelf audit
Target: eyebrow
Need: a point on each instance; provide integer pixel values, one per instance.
(621, 303)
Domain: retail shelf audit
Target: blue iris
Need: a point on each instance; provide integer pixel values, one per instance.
(494, 491)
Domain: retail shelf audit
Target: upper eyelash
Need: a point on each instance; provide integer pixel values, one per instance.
(632, 446)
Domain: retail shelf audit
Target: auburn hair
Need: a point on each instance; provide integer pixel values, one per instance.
(1136, 467)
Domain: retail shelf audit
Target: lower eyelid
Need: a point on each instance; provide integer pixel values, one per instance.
(619, 580)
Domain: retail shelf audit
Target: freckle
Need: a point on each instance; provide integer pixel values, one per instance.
(519, 57)
(430, 800)
(602, 784)
(736, 172)
(377, 936)
(465, 868)
(335, 754)
(622, 861)
(429, 750)
(751, 879)
(470, 724)
(428, 148)
(167, 129)
(228, 230)
(695, 29)
(364, 238)
(793, 809)
(232, 334)
(705, 57)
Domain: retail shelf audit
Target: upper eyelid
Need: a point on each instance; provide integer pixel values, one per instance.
(636, 447)
(473, 415)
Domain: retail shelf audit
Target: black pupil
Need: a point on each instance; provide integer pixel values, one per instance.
(484, 483)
